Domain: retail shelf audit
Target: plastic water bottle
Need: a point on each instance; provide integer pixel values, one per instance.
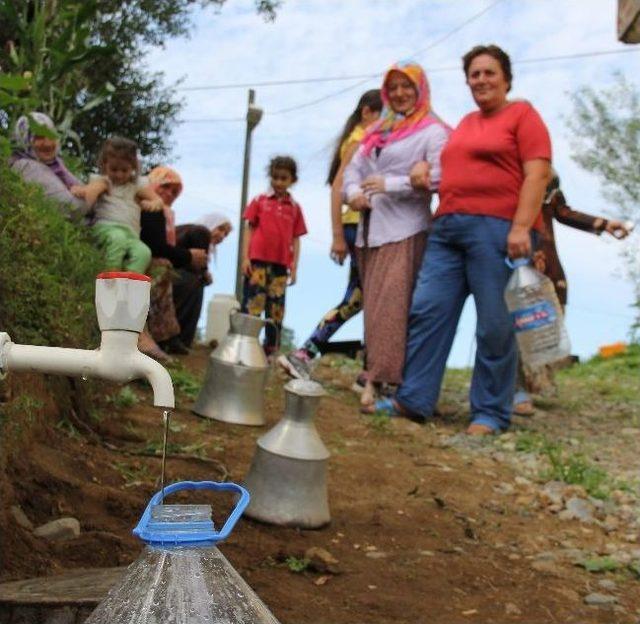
(537, 316)
(181, 577)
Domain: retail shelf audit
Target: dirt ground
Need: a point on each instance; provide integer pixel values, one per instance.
(424, 530)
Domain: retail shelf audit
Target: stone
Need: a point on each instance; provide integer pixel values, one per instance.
(610, 524)
(503, 488)
(552, 493)
(597, 599)
(59, 530)
(548, 567)
(20, 517)
(578, 509)
(376, 554)
(322, 560)
(607, 584)
(512, 609)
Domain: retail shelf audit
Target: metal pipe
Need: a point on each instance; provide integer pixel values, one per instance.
(254, 114)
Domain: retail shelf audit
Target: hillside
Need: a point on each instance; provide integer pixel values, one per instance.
(532, 526)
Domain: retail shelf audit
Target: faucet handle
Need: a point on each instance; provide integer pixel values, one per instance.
(122, 300)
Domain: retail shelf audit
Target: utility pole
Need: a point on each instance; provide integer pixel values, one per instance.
(254, 115)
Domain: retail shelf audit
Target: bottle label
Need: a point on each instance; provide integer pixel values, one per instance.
(534, 317)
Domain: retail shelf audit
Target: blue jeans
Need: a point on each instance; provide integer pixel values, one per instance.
(465, 255)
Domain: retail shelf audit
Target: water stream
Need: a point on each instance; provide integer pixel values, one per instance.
(166, 416)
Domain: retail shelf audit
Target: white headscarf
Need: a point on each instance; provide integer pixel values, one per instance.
(211, 221)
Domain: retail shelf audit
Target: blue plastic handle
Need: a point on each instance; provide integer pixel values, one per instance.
(517, 262)
(202, 531)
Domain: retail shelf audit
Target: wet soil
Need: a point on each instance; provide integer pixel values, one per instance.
(420, 529)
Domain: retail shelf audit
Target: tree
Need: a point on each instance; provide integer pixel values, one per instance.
(85, 60)
(606, 141)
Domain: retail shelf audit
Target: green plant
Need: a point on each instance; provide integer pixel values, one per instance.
(184, 381)
(125, 397)
(600, 564)
(296, 564)
(154, 447)
(379, 422)
(575, 469)
(133, 475)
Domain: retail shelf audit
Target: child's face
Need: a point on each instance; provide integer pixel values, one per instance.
(119, 171)
(281, 180)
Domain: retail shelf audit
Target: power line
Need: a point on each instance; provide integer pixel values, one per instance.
(541, 59)
(363, 79)
(433, 70)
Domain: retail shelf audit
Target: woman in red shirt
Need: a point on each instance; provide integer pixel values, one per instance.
(494, 172)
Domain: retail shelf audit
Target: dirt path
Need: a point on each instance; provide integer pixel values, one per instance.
(426, 526)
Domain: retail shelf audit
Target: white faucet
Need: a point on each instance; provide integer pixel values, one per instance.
(122, 303)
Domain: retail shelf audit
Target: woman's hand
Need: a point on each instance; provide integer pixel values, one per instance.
(420, 175)
(152, 205)
(293, 275)
(617, 229)
(360, 203)
(199, 258)
(339, 249)
(246, 267)
(78, 191)
(372, 185)
(519, 242)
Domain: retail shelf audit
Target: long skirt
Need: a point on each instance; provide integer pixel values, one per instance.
(388, 274)
(162, 320)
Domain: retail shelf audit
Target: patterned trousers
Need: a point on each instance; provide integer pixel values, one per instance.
(350, 305)
(264, 291)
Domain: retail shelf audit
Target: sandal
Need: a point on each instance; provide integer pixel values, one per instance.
(524, 408)
(476, 429)
(388, 406)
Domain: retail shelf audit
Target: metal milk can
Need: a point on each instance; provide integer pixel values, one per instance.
(287, 479)
(233, 388)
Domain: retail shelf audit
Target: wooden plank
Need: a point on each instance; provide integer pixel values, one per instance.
(76, 587)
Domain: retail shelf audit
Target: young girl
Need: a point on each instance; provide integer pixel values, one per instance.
(119, 193)
(271, 248)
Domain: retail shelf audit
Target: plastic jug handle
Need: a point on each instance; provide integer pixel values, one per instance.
(215, 536)
(516, 262)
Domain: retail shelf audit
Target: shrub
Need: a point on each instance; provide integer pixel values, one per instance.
(47, 270)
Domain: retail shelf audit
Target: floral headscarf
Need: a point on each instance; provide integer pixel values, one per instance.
(22, 139)
(394, 126)
(159, 176)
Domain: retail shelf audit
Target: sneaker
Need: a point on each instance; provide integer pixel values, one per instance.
(296, 364)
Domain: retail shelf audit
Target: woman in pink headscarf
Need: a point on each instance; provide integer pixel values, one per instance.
(159, 233)
(393, 230)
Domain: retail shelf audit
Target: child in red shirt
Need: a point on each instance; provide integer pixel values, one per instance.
(271, 248)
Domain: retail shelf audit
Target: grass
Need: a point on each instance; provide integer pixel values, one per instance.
(184, 381)
(196, 448)
(125, 397)
(297, 564)
(133, 475)
(611, 382)
(573, 468)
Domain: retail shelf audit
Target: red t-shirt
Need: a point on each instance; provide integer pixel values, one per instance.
(482, 170)
(276, 221)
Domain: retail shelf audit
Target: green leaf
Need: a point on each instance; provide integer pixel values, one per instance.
(11, 82)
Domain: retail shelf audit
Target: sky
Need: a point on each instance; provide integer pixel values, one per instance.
(328, 39)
